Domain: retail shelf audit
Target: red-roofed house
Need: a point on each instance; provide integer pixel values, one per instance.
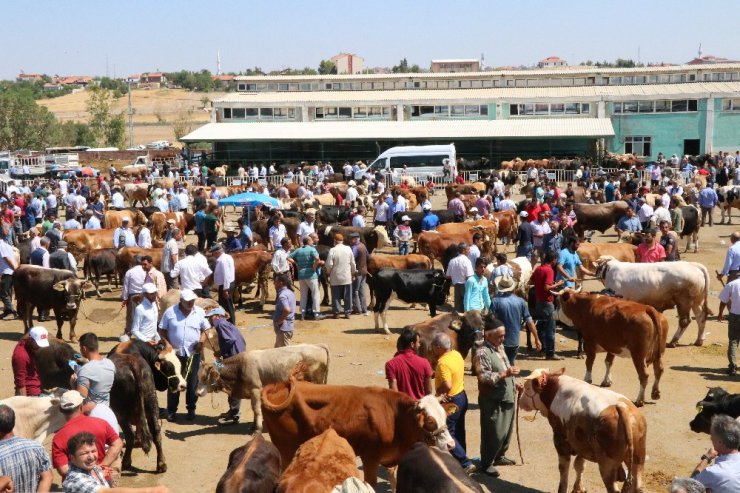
(709, 60)
(223, 79)
(552, 62)
(76, 80)
(153, 78)
(22, 77)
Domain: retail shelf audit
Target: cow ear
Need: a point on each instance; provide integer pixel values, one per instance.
(456, 325)
(157, 365)
(59, 286)
(450, 408)
(421, 417)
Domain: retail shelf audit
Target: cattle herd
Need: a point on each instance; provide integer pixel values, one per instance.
(317, 430)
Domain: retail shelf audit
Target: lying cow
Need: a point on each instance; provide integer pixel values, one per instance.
(618, 327)
(591, 423)
(431, 470)
(36, 417)
(598, 217)
(252, 468)
(309, 471)
(717, 401)
(244, 375)
(664, 285)
(380, 424)
(411, 286)
(465, 331)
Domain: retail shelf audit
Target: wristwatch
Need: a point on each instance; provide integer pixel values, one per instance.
(706, 458)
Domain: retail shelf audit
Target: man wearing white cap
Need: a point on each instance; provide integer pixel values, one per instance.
(123, 236)
(223, 279)
(144, 321)
(133, 286)
(183, 325)
(25, 373)
(430, 221)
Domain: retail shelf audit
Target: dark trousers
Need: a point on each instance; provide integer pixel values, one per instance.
(6, 290)
(456, 426)
(496, 424)
(211, 239)
(201, 241)
(546, 326)
(170, 282)
(191, 382)
(343, 292)
(359, 300)
(707, 211)
(227, 303)
(460, 298)
(511, 353)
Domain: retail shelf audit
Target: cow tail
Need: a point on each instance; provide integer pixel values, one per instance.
(145, 435)
(658, 325)
(705, 310)
(326, 374)
(625, 421)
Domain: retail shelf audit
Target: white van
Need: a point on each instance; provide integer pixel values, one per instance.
(419, 160)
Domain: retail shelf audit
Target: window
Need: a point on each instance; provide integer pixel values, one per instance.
(344, 112)
(360, 112)
(639, 79)
(237, 113)
(472, 110)
(241, 87)
(484, 110)
(572, 108)
(305, 86)
(283, 113)
(266, 113)
(252, 112)
(727, 105)
(629, 107)
(327, 87)
(541, 109)
(330, 112)
(251, 87)
(662, 106)
(457, 110)
(272, 87)
(227, 111)
(645, 107)
(513, 109)
(526, 109)
(292, 87)
(557, 108)
(419, 111)
(615, 81)
(617, 108)
(585, 108)
(282, 87)
(319, 113)
(639, 146)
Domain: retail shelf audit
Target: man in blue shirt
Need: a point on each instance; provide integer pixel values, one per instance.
(568, 262)
(124, 236)
(513, 312)
(723, 475)
(707, 202)
(230, 343)
(609, 191)
(430, 221)
(628, 223)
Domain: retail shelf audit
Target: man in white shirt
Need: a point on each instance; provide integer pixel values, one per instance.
(280, 263)
(133, 287)
(540, 228)
(184, 198)
(276, 233)
(644, 213)
(352, 194)
(307, 226)
(191, 271)
(223, 278)
(161, 203)
(263, 170)
(381, 211)
(507, 203)
(340, 265)
(145, 235)
(92, 221)
(241, 172)
(116, 200)
(124, 236)
(458, 271)
(144, 322)
(7, 266)
(170, 256)
(72, 223)
(358, 220)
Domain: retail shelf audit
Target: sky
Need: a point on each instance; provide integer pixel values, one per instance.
(120, 38)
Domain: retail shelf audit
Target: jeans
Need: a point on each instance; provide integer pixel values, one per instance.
(403, 248)
(191, 383)
(343, 292)
(310, 286)
(6, 290)
(546, 326)
(511, 353)
(235, 405)
(524, 250)
(733, 334)
(456, 426)
(227, 303)
(359, 298)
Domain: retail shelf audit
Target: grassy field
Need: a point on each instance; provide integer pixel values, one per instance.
(155, 110)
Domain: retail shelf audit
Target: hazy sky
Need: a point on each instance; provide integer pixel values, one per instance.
(74, 37)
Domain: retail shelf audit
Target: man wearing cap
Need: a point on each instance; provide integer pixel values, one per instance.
(133, 286)
(231, 243)
(24, 461)
(7, 267)
(183, 325)
(340, 265)
(306, 259)
(403, 235)
(123, 236)
(306, 227)
(230, 343)
(25, 373)
(513, 313)
(92, 221)
(192, 272)
(458, 271)
(144, 321)
(524, 237)
(430, 221)
(223, 278)
(62, 259)
(76, 422)
(170, 256)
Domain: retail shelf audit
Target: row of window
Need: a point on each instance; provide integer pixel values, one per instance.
(259, 113)
(549, 109)
(446, 111)
(489, 83)
(639, 146)
(359, 112)
(660, 106)
(731, 105)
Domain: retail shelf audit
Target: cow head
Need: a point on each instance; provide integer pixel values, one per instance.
(706, 409)
(432, 419)
(383, 240)
(74, 292)
(469, 329)
(169, 365)
(209, 379)
(602, 266)
(530, 397)
(440, 287)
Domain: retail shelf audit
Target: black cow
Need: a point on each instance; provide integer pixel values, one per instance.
(430, 470)
(329, 214)
(412, 286)
(691, 226)
(163, 362)
(368, 236)
(444, 216)
(55, 363)
(24, 247)
(253, 467)
(101, 262)
(717, 401)
(48, 289)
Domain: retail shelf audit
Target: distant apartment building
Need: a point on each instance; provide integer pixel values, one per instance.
(552, 62)
(458, 65)
(348, 63)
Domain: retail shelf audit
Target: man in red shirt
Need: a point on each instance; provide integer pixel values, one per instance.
(533, 208)
(408, 372)
(650, 251)
(25, 373)
(543, 279)
(71, 405)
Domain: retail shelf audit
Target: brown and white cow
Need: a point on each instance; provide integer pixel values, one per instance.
(618, 327)
(380, 424)
(252, 468)
(591, 423)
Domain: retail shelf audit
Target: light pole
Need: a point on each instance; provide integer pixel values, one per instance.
(130, 117)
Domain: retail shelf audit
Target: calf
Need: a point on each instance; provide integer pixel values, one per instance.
(380, 424)
(412, 286)
(591, 423)
(101, 262)
(252, 468)
(36, 417)
(618, 327)
(320, 464)
(244, 375)
(429, 470)
(717, 401)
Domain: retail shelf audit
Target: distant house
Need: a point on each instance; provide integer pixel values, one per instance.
(223, 80)
(23, 77)
(456, 65)
(134, 78)
(153, 78)
(348, 63)
(710, 60)
(552, 62)
(53, 86)
(76, 80)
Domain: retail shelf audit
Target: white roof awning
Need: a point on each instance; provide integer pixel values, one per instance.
(374, 130)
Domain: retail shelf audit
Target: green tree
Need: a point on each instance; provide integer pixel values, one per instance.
(404, 68)
(24, 124)
(107, 129)
(183, 124)
(327, 67)
(115, 134)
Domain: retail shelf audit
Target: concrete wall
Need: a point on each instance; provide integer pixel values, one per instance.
(726, 129)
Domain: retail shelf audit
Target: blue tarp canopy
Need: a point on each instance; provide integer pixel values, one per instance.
(249, 199)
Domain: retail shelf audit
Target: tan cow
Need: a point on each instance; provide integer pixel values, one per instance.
(136, 192)
(114, 219)
(589, 253)
(82, 241)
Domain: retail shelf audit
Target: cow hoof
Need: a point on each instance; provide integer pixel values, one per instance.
(126, 465)
(639, 403)
(671, 344)
(161, 468)
(606, 384)
(655, 395)
(699, 343)
(580, 356)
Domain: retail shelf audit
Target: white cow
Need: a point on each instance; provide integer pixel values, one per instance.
(244, 375)
(522, 269)
(663, 285)
(36, 417)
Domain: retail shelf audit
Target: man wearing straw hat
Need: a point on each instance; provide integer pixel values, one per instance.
(513, 312)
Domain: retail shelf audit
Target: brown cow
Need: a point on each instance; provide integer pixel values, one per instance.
(599, 217)
(488, 228)
(619, 327)
(465, 331)
(136, 192)
(184, 221)
(379, 261)
(114, 219)
(319, 465)
(380, 424)
(589, 253)
(291, 227)
(126, 258)
(591, 423)
(81, 241)
(252, 468)
(252, 265)
(452, 188)
(507, 225)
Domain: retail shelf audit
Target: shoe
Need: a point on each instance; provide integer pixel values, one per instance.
(555, 357)
(171, 417)
(319, 317)
(471, 469)
(124, 338)
(191, 415)
(365, 314)
(229, 420)
(346, 315)
(492, 471)
(504, 461)
(732, 370)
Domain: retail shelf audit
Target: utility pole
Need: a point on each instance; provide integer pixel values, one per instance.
(130, 117)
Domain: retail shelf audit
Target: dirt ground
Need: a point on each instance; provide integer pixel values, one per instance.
(197, 452)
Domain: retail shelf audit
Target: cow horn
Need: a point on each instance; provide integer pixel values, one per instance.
(556, 293)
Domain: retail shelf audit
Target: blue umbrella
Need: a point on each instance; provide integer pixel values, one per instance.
(249, 199)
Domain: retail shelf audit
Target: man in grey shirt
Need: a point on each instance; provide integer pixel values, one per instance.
(95, 378)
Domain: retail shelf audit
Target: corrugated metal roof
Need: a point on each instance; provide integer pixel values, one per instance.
(463, 129)
(420, 96)
(560, 71)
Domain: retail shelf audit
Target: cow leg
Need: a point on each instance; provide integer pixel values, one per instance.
(152, 416)
(608, 362)
(590, 358)
(578, 465)
(701, 319)
(658, 371)
(72, 323)
(60, 322)
(695, 236)
(563, 467)
(128, 435)
(642, 374)
(96, 282)
(684, 319)
(392, 477)
(370, 466)
(609, 476)
(256, 408)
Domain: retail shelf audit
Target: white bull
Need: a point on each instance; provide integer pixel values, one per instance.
(243, 376)
(663, 285)
(522, 269)
(36, 417)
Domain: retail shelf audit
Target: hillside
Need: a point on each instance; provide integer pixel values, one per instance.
(154, 110)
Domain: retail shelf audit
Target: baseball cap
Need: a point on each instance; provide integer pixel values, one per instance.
(40, 335)
(187, 295)
(405, 218)
(125, 220)
(216, 311)
(71, 399)
(523, 214)
(149, 288)
(427, 207)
